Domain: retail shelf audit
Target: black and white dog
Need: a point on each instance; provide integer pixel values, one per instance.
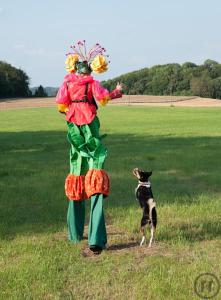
(144, 195)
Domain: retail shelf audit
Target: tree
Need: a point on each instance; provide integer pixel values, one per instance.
(13, 82)
(210, 62)
(201, 86)
(40, 92)
(216, 88)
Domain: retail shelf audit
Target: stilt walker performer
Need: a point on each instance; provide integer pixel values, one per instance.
(87, 179)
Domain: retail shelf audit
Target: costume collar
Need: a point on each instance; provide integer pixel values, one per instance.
(81, 79)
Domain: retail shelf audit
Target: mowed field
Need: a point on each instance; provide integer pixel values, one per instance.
(181, 146)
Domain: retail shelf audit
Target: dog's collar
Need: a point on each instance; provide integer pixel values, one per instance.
(147, 184)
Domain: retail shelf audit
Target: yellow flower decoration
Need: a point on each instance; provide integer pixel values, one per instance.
(99, 64)
(71, 63)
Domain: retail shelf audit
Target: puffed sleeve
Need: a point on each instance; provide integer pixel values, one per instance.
(63, 98)
(102, 95)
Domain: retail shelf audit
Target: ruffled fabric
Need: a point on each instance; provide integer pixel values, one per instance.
(63, 95)
(76, 87)
(63, 108)
(115, 94)
(73, 89)
(82, 187)
(103, 95)
(82, 80)
(105, 100)
(99, 92)
(75, 187)
(97, 182)
(81, 113)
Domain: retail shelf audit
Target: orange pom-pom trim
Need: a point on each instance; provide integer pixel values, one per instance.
(63, 108)
(97, 182)
(74, 187)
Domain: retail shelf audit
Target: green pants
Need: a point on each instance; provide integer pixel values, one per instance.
(87, 153)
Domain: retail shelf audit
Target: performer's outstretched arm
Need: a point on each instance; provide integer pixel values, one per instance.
(102, 95)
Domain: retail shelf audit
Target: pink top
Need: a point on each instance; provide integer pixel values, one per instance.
(73, 88)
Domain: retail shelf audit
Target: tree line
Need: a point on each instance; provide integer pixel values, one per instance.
(15, 83)
(169, 79)
(173, 79)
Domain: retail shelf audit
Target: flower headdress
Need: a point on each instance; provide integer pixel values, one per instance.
(79, 60)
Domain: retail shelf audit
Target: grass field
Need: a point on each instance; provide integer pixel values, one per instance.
(181, 145)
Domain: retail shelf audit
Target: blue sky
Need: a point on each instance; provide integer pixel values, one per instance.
(35, 35)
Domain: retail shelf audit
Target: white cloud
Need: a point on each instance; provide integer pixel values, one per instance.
(29, 51)
(19, 46)
(34, 52)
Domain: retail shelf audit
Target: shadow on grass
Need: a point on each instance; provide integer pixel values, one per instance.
(33, 167)
(122, 246)
(193, 232)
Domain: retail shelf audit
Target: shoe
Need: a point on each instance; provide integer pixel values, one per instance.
(92, 251)
(96, 249)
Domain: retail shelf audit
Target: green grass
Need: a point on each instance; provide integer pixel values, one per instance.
(181, 145)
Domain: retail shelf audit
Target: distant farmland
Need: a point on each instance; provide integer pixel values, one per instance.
(126, 100)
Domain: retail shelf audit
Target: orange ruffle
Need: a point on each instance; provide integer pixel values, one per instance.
(74, 187)
(97, 182)
(63, 108)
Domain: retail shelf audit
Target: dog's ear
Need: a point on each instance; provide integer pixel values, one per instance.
(150, 173)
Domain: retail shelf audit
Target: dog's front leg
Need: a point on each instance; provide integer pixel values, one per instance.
(152, 232)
